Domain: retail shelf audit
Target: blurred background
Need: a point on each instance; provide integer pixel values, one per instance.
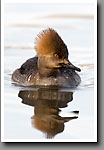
(73, 22)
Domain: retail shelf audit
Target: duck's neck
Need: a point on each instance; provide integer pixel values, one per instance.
(44, 71)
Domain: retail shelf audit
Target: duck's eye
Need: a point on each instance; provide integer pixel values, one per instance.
(56, 56)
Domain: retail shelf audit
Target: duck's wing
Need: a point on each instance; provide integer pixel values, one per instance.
(30, 64)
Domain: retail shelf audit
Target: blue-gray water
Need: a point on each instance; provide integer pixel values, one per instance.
(27, 116)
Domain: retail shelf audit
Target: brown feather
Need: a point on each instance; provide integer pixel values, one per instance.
(49, 42)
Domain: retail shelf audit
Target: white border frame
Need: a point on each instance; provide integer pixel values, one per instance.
(95, 71)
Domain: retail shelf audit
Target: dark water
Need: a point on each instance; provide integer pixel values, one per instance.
(48, 113)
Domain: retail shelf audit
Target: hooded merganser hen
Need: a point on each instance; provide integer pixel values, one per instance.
(51, 66)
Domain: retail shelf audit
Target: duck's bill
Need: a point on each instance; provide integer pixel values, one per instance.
(68, 64)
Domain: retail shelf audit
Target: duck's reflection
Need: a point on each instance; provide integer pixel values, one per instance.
(46, 104)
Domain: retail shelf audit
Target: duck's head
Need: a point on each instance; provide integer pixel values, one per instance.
(52, 51)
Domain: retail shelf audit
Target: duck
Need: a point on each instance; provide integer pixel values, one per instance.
(51, 66)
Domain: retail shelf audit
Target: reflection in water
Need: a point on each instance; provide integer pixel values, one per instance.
(46, 104)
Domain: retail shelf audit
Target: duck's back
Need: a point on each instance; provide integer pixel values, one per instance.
(21, 75)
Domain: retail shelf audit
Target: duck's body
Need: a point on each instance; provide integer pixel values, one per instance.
(45, 70)
(28, 75)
